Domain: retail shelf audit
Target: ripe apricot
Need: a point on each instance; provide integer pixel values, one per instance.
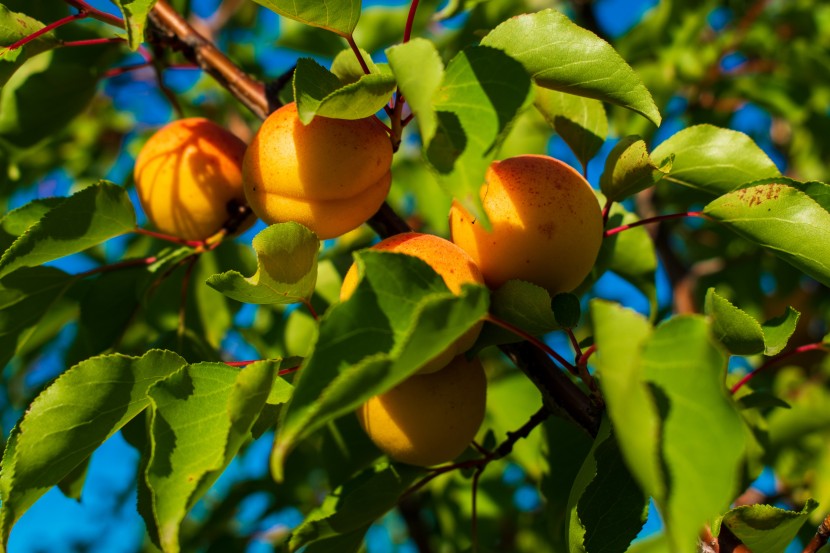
(428, 418)
(449, 261)
(546, 224)
(330, 175)
(188, 177)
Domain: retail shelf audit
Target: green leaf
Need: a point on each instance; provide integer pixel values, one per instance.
(286, 271)
(400, 316)
(347, 67)
(135, 15)
(580, 121)
(338, 16)
(629, 169)
(767, 529)
(566, 309)
(25, 297)
(61, 428)
(419, 71)
(483, 90)
(521, 304)
(559, 54)
(608, 508)
(17, 221)
(738, 331)
(201, 416)
(688, 370)
(789, 218)
(713, 159)
(779, 330)
(356, 504)
(89, 217)
(319, 92)
(621, 336)
(15, 26)
(761, 400)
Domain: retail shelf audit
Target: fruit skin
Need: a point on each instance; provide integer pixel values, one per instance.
(428, 418)
(446, 259)
(185, 176)
(546, 224)
(330, 175)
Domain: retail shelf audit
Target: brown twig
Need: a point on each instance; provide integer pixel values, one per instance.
(821, 537)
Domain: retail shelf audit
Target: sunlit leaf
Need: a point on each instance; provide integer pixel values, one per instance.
(738, 331)
(15, 26)
(629, 169)
(580, 121)
(419, 71)
(339, 16)
(767, 529)
(135, 15)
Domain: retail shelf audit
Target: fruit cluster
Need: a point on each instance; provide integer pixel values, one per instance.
(332, 175)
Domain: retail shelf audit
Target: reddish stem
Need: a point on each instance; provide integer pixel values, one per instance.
(583, 358)
(169, 238)
(281, 372)
(613, 231)
(574, 343)
(606, 211)
(116, 71)
(533, 340)
(356, 50)
(120, 265)
(47, 28)
(96, 13)
(92, 42)
(410, 20)
(311, 309)
(775, 360)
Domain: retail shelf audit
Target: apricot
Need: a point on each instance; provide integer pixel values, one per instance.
(428, 418)
(446, 259)
(188, 176)
(546, 224)
(330, 175)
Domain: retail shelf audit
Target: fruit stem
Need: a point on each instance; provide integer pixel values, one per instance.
(606, 211)
(410, 20)
(91, 42)
(54, 25)
(356, 50)
(311, 309)
(574, 343)
(533, 340)
(820, 346)
(616, 230)
(116, 71)
(169, 238)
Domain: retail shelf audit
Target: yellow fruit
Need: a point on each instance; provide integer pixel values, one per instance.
(546, 224)
(330, 175)
(446, 259)
(188, 177)
(428, 418)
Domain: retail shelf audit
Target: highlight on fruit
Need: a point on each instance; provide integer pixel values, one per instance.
(188, 176)
(330, 175)
(446, 259)
(428, 418)
(546, 224)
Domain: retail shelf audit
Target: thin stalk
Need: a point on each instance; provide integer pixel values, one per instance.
(91, 42)
(311, 309)
(116, 71)
(52, 26)
(606, 211)
(169, 238)
(356, 50)
(775, 360)
(95, 13)
(616, 230)
(410, 20)
(821, 537)
(533, 340)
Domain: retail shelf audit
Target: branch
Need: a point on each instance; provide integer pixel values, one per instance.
(821, 537)
(168, 24)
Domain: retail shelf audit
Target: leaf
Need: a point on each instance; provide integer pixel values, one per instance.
(580, 121)
(621, 336)
(15, 26)
(607, 506)
(17, 221)
(286, 268)
(788, 218)
(559, 54)
(483, 90)
(767, 529)
(400, 316)
(25, 297)
(521, 304)
(566, 309)
(347, 67)
(761, 400)
(714, 160)
(89, 217)
(779, 330)
(419, 71)
(688, 370)
(201, 416)
(338, 16)
(629, 169)
(738, 331)
(319, 92)
(135, 15)
(81, 409)
(356, 504)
